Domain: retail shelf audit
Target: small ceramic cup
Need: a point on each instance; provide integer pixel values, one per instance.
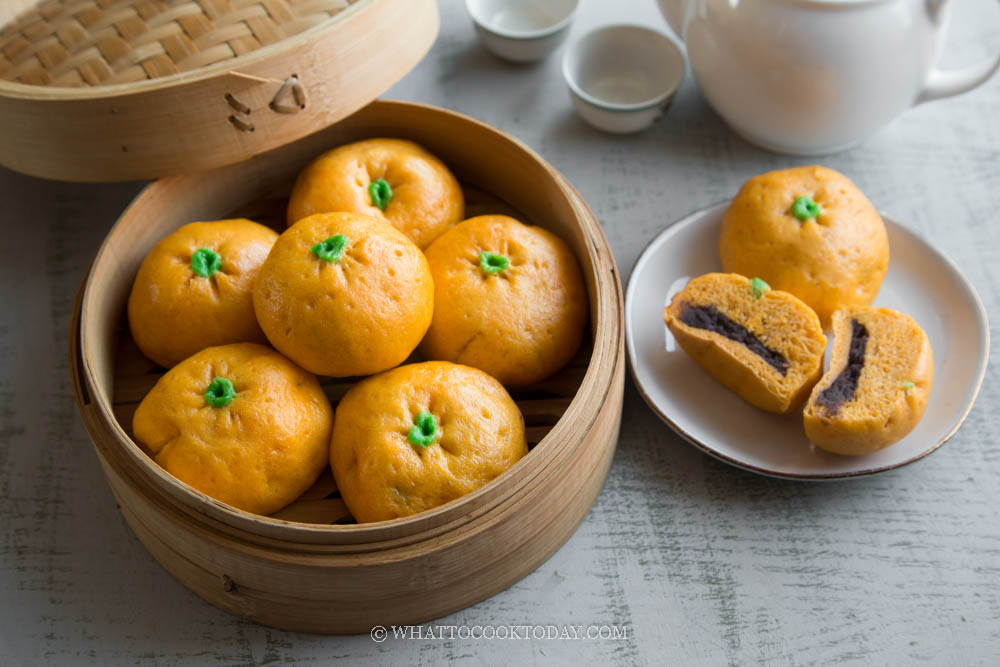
(622, 77)
(521, 31)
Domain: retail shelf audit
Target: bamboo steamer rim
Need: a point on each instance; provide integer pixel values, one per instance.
(608, 324)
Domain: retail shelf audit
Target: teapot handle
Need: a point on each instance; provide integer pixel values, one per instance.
(946, 83)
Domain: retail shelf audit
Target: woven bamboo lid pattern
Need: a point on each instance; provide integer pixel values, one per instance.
(111, 90)
(103, 42)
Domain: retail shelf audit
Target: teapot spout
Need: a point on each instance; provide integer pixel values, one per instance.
(677, 13)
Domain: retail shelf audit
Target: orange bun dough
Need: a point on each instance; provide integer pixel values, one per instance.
(193, 289)
(421, 435)
(809, 231)
(344, 294)
(878, 384)
(764, 345)
(423, 197)
(240, 423)
(509, 299)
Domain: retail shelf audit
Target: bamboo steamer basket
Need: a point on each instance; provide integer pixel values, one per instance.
(113, 90)
(309, 568)
(104, 90)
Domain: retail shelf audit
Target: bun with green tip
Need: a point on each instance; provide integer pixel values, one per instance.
(878, 384)
(508, 299)
(421, 435)
(808, 231)
(394, 180)
(344, 294)
(763, 344)
(193, 289)
(239, 423)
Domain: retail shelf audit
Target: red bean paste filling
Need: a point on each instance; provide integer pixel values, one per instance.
(712, 319)
(843, 388)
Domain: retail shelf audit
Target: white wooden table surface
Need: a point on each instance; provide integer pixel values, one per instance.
(703, 563)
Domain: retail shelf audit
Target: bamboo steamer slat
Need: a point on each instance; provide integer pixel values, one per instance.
(250, 76)
(310, 574)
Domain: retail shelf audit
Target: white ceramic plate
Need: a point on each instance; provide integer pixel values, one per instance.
(921, 282)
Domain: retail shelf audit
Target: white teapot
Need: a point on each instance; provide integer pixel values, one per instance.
(811, 77)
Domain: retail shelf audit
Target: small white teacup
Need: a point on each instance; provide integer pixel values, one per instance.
(521, 30)
(622, 77)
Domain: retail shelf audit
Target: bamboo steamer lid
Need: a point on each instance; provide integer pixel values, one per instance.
(113, 90)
